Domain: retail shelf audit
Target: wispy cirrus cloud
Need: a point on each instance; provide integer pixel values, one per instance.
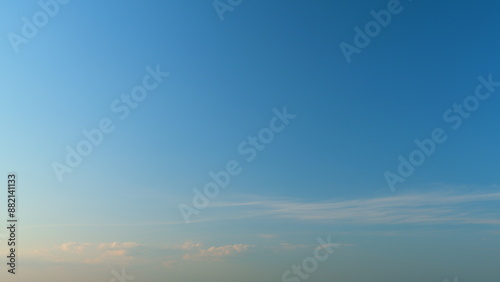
(426, 208)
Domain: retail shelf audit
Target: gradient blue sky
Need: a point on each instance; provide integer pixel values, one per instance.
(323, 175)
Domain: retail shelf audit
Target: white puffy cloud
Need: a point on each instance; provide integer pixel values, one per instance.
(217, 252)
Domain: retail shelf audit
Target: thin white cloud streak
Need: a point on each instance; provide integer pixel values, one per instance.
(430, 208)
(217, 252)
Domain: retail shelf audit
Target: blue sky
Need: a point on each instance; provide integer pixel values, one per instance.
(323, 175)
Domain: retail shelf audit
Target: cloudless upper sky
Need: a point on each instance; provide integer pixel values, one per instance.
(353, 121)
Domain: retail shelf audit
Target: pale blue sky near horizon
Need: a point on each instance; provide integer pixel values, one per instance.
(324, 174)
